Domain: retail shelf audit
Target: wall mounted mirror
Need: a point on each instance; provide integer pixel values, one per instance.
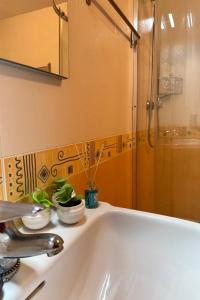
(34, 34)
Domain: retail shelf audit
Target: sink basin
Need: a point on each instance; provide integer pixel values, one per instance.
(117, 254)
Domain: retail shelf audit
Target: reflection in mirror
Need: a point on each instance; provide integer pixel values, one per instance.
(35, 34)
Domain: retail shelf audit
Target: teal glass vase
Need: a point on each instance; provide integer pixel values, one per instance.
(91, 196)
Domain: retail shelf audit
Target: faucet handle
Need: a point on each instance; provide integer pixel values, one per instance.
(10, 211)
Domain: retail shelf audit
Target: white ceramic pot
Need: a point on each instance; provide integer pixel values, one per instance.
(71, 215)
(39, 220)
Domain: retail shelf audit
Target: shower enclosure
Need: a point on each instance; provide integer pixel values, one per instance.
(176, 111)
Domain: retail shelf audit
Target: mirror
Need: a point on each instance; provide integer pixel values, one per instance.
(34, 34)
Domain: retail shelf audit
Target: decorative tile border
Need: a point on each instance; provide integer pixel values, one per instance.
(14, 177)
(173, 131)
(1, 180)
(24, 172)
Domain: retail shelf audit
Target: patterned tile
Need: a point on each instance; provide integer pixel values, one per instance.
(110, 148)
(44, 160)
(100, 150)
(91, 154)
(29, 168)
(63, 158)
(128, 142)
(14, 175)
(24, 172)
(44, 174)
(1, 181)
(81, 162)
(20, 175)
(119, 144)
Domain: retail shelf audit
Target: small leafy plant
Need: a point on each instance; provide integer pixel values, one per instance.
(65, 194)
(41, 197)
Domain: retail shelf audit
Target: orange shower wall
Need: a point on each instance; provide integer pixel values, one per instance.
(178, 173)
(168, 175)
(145, 175)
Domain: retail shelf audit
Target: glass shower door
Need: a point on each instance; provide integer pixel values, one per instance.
(177, 147)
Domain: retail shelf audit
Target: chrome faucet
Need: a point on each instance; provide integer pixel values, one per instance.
(15, 245)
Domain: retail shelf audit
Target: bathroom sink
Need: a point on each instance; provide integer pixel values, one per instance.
(116, 254)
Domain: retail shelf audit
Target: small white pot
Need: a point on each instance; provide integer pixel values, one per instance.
(39, 220)
(71, 215)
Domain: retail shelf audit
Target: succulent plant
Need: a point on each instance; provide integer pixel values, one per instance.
(41, 197)
(65, 194)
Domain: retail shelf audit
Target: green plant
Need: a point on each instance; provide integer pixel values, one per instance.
(41, 197)
(65, 194)
(59, 182)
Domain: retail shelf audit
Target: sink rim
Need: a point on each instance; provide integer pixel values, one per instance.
(23, 284)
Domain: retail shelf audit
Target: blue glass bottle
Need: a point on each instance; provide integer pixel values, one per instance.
(91, 195)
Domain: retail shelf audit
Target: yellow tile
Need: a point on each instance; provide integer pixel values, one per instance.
(65, 161)
(14, 176)
(82, 163)
(44, 162)
(1, 182)
(25, 172)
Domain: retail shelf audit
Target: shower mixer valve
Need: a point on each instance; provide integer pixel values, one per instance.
(150, 105)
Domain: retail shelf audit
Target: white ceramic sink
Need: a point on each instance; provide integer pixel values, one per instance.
(116, 254)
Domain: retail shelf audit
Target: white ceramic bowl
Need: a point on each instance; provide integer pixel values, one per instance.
(39, 220)
(71, 215)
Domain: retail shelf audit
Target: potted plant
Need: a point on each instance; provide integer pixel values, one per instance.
(70, 207)
(42, 218)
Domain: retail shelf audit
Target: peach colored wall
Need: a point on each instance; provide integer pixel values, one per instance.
(22, 6)
(39, 112)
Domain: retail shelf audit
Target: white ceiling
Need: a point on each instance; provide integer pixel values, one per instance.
(10, 8)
